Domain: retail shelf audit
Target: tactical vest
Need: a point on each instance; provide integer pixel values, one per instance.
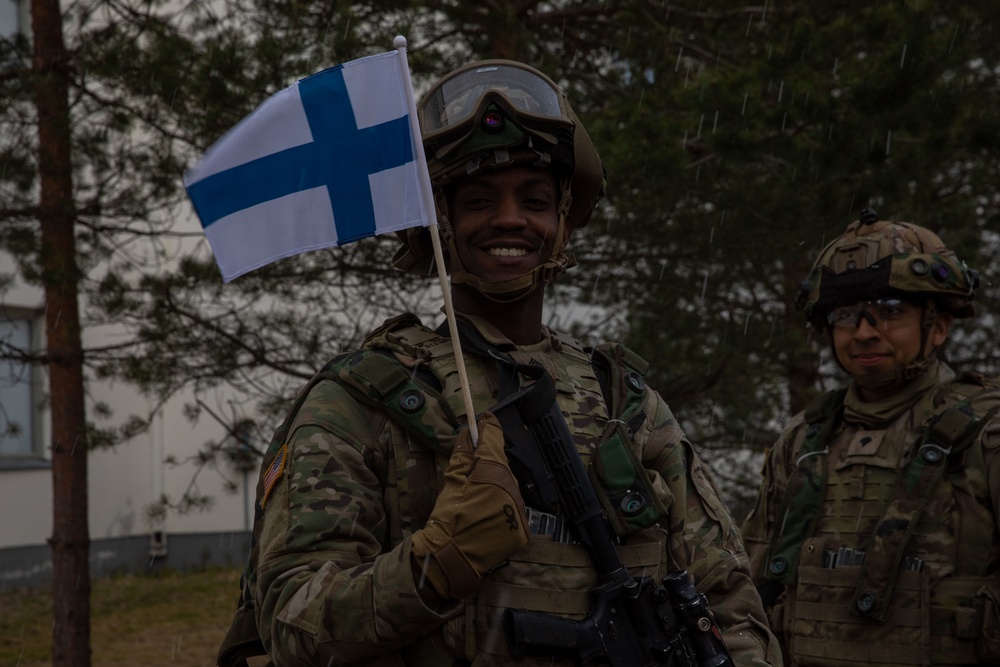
(425, 402)
(875, 602)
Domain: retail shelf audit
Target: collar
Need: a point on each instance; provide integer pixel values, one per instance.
(879, 414)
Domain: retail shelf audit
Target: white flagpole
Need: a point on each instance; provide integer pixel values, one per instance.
(429, 211)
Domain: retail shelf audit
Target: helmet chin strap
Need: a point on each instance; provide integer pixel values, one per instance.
(894, 379)
(509, 291)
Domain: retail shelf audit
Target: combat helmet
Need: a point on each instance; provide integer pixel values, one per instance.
(875, 258)
(495, 114)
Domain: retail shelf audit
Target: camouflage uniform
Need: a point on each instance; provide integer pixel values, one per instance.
(334, 584)
(944, 614)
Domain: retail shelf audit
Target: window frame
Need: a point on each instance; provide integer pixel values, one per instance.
(37, 456)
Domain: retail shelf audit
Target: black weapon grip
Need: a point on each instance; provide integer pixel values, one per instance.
(538, 633)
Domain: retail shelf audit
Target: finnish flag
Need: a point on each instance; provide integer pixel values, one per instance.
(329, 160)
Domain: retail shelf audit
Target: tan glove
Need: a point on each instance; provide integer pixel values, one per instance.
(478, 519)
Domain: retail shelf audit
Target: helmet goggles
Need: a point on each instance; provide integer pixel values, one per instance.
(460, 99)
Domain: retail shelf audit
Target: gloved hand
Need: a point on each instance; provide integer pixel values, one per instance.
(477, 520)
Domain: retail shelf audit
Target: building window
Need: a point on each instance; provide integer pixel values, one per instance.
(10, 18)
(18, 409)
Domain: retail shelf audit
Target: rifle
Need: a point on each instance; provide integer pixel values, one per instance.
(633, 622)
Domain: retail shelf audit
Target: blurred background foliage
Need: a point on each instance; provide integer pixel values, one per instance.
(738, 140)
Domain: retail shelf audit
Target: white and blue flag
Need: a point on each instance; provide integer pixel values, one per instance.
(329, 160)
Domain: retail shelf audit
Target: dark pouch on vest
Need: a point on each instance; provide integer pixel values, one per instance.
(622, 484)
(988, 642)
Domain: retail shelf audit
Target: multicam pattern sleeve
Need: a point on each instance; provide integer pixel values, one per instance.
(331, 589)
(704, 540)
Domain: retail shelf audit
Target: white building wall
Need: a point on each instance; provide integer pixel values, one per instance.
(123, 482)
(126, 480)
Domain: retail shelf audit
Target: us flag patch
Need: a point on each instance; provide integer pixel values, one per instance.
(273, 473)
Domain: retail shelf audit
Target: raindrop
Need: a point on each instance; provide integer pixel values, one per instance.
(663, 267)
(744, 109)
(746, 324)
(715, 122)
(902, 58)
(836, 63)
(783, 119)
(701, 121)
(704, 286)
(781, 90)
(711, 235)
(680, 52)
(597, 279)
(888, 143)
(749, 23)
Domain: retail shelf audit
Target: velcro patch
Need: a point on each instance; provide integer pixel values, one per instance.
(274, 473)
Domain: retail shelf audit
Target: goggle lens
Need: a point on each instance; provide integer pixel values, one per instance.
(457, 98)
(885, 311)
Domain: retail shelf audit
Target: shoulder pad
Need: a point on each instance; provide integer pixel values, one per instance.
(392, 324)
(620, 372)
(377, 378)
(619, 353)
(978, 379)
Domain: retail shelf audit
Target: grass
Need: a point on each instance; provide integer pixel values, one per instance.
(169, 618)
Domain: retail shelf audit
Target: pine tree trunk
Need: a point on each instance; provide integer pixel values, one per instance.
(70, 540)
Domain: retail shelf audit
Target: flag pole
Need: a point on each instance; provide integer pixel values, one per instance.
(429, 212)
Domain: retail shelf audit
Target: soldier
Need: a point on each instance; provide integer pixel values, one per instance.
(874, 540)
(383, 537)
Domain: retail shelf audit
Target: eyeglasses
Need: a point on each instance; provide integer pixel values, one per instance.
(459, 97)
(886, 311)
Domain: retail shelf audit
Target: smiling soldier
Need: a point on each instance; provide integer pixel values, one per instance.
(385, 536)
(875, 539)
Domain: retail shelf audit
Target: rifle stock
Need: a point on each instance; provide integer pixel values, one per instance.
(632, 622)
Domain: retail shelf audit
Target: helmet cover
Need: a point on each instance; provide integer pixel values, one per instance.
(495, 114)
(875, 258)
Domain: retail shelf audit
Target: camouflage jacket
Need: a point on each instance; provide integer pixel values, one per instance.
(941, 577)
(334, 584)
